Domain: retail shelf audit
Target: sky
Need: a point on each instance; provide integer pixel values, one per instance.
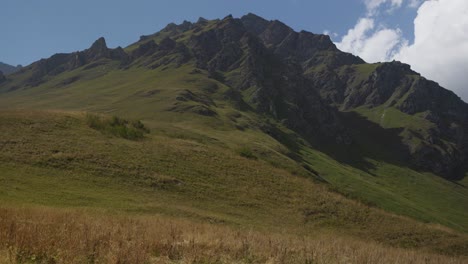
(430, 35)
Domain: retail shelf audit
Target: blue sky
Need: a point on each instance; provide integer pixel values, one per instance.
(38, 29)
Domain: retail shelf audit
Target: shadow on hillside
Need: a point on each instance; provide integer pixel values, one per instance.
(459, 174)
(369, 141)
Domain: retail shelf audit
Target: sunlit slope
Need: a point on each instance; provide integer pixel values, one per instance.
(183, 103)
(54, 158)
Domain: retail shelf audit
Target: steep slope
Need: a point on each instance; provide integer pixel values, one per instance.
(289, 98)
(255, 77)
(433, 121)
(345, 81)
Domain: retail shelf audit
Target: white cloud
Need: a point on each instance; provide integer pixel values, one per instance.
(373, 5)
(329, 33)
(371, 45)
(440, 49)
(415, 3)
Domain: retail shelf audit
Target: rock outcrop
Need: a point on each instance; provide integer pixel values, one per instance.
(443, 148)
(63, 62)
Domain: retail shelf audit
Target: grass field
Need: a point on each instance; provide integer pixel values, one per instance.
(55, 159)
(44, 235)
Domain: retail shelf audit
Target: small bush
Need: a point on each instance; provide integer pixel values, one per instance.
(247, 153)
(117, 126)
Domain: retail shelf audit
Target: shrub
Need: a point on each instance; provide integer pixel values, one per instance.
(246, 152)
(117, 126)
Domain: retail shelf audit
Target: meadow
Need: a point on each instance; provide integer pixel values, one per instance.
(72, 194)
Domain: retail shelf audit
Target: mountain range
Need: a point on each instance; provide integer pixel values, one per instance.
(247, 117)
(299, 79)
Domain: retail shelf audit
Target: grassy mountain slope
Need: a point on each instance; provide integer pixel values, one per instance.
(183, 178)
(157, 97)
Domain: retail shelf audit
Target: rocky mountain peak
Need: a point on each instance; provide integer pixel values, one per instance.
(186, 25)
(99, 45)
(254, 23)
(174, 28)
(170, 27)
(228, 17)
(202, 20)
(98, 50)
(275, 33)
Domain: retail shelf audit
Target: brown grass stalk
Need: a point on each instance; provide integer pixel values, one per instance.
(44, 235)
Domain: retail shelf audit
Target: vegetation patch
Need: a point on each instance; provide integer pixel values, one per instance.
(246, 152)
(116, 126)
(46, 235)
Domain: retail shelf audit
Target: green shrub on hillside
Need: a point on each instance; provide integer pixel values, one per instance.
(117, 126)
(246, 152)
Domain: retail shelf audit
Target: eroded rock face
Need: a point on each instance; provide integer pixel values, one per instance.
(386, 81)
(60, 63)
(145, 49)
(305, 48)
(443, 148)
(279, 88)
(98, 50)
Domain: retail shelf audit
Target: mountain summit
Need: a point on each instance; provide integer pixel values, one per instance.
(266, 71)
(7, 69)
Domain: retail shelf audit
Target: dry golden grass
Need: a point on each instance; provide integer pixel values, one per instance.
(44, 235)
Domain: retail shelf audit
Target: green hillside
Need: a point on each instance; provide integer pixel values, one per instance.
(84, 167)
(156, 97)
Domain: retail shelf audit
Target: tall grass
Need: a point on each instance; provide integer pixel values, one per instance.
(44, 235)
(117, 126)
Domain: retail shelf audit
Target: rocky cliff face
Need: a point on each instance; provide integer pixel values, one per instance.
(278, 87)
(303, 47)
(442, 148)
(60, 63)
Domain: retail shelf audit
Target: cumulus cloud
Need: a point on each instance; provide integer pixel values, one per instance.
(373, 5)
(415, 3)
(440, 48)
(370, 44)
(329, 33)
(375, 43)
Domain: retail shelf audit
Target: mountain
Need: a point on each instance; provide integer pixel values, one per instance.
(298, 78)
(7, 69)
(379, 133)
(439, 140)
